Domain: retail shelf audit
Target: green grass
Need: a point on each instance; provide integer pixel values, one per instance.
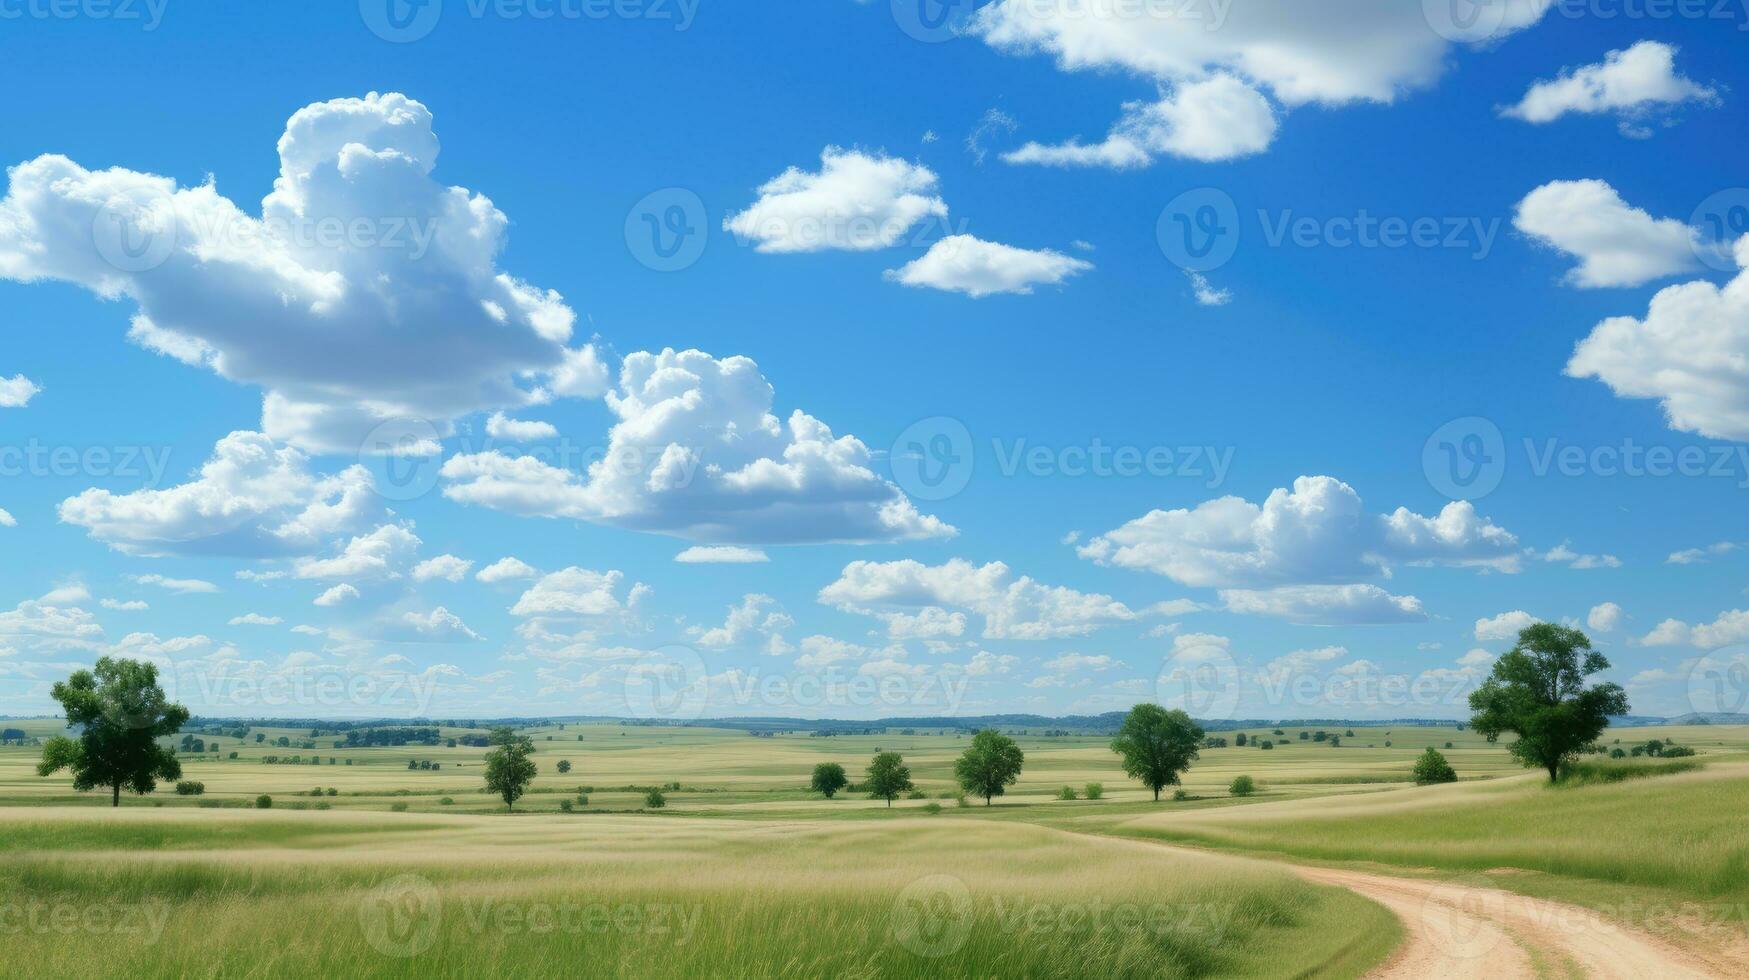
(1594, 772)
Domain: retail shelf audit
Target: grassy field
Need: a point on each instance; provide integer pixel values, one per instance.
(417, 872)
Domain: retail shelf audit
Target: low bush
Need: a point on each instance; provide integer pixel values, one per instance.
(189, 787)
(1242, 786)
(1066, 793)
(1094, 791)
(932, 807)
(655, 800)
(398, 807)
(1595, 773)
(264, 802)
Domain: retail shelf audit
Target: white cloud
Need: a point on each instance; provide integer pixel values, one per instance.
(1017, 608)
(1605, 617)
(1206, 293)
(1316, 533)
(1630, 83)
(1284, 668)
(382, 554)
(1691, 352)
(255, 619)
(501, 426)
(1326, 605)
(754, 619)
(50, 623)
(1081, 661)
(1504, 626)
(856, 201)
(128, 605)
(408, 318)
(928, 623)
(6, 519)
(721, 555)
(446, 567)
(965, 264)
(1729, 628)
(579, 592)
(1218, 118)
(338, 594)
(1616, 245)
(708, 462)
(17, 391)
(506, 570)
(1696, 556)
(183, 586)
(1564, 554)
(439, 626)
(252, 498)
(986, 664)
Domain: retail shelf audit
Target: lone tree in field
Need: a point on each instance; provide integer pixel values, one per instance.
(887, 777)
(989, 765)
(564, 766)
(1157, 745)
(1432, 768)
(120, 712)
(1537, 692)
(508, 767)
(829, 778)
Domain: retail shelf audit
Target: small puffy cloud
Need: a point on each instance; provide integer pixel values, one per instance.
(408, 317)
(125, 605)
(1070, 662)
(964, 264)
(17, 391)
(252, 498)
(928, 623)
(1013, 607)
(1316, 533)
(501, 426)
(698, 454)
(1630, 83)
(438, 626)
(579, 592)
(856, 201)
(337, 595)
(6, 519)
(1691, 352)
(721, 555)
(1326, 605)
(1605, 617)
(382, 554)
(506, 570)
(1563, 553)
(1219, 118)
(1729, 628)
(1616, 245)
(1205, 291)
(755, 619)
(446, 567)
(181, 586)
(1696, 556)
(54, 622)
(255, 619)
(1505, 626)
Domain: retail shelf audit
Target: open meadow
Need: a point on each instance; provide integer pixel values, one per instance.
(364, 866)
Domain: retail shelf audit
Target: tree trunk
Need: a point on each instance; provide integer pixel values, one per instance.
(1554, 772)
(115, 795)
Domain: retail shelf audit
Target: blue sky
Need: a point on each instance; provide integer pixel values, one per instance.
(990, 304)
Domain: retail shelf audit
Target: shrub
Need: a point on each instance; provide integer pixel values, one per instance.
(916, 794)
(1095, 791)
(1448, 745)
(1242, 786)
(333, 792)
(318, 791)
(398, 807)
(565, 806)
(961, 801)
(1677, 752)
(1432, 768)
(1066, 793)
(1179, 795)
(324, 806)
(189, 787)
(1617, 754)
(582, 799)
(1267, 744)
(655, 800)
(233, 755)
(932, 808)
(564, 766)
(264, 802)
(1591, 773)
(446, 801)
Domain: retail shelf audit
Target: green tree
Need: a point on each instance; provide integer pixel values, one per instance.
(1242, 786)
(1432, 768)
(989, 765)
(887, 776)
(1157, 745)
(1538, 692)
(120, 712)
(564, 766)
(508, 767)
(829, 778)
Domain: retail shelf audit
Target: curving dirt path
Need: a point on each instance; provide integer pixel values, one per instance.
(1463, 929)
